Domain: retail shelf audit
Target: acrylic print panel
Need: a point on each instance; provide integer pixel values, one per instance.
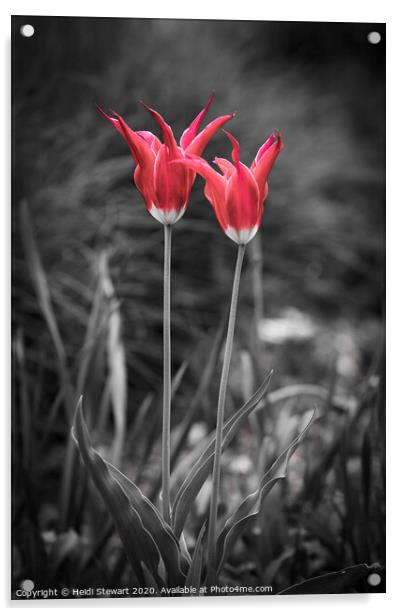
(154, 451)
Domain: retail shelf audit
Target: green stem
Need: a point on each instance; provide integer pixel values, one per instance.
(167, 377)
(213, 512)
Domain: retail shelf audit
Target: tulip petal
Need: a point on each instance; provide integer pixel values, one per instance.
(143, 179)
(265, 163)
(167, 132)
(172, 182)
(190, 132)
(215, 185)
(225, 166)
(236, 148)
(244, 207)
(200, 142)
(265, 146)
(138, 146)
(243, 200)
(151, 139)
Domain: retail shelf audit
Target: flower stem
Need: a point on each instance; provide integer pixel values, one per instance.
(167, 377)
(213, 512)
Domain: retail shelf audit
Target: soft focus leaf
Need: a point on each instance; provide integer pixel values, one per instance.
(116, 361)
(201, 469)
(251, 505)
(333, 583)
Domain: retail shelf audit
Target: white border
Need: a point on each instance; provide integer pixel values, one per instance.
(308, 10)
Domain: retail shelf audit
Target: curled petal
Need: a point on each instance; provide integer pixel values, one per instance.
(265, 146)
(200, 142)
(236, 148)
(265, 163)
(167, 132)
(225, 166)
(151, 139)
(190, 132)
(138, 146)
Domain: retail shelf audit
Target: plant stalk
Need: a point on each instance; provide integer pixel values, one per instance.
(167, 377)
(213, 512)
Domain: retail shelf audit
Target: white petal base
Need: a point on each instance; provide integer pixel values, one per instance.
(242, 236)
(167, 217)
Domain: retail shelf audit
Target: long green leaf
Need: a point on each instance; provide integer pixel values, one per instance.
(250, 507)
(333, 583)
(198, 474)
(138, 543)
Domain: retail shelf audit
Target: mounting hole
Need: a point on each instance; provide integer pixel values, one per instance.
(27, 30)
(374, 38)
(374, 579)
(27, 585)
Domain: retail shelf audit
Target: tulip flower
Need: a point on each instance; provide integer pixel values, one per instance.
(165, 189)
(237, 196)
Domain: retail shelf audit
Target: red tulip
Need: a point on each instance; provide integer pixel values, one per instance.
(166, 188)
(238, 195)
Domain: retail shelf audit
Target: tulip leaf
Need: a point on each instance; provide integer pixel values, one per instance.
(146, 539)
(161, 532)
(333, 583)
(251, 506)
(198, 474)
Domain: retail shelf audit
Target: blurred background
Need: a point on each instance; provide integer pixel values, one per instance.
(87, 285)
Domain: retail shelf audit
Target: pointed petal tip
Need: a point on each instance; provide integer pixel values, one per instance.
(236, 146)
(147, 107)
(278, 136)
(102, 111)
(210, 101)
